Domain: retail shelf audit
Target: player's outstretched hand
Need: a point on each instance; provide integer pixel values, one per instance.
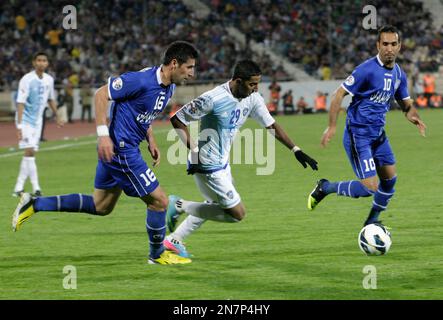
(105, 148)
(155, 154)
(327, 136)
(304, 159)
(418, 123)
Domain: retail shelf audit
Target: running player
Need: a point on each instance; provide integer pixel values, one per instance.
(372, 85)
(138, 98)
(221, 111)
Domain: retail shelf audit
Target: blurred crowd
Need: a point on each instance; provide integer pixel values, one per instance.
(326, 38)
(114, 36)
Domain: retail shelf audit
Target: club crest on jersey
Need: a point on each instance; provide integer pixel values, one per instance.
(245, 112)
(117, 84)
(350, 81)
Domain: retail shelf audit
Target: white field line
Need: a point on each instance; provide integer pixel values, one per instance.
(67, 145)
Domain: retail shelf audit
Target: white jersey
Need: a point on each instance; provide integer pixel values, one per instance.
(221, 115)
(34, 93)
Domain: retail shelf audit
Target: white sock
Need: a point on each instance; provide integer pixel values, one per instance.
(32, 169)
(22, 176)
(205, 211)
(188, 226)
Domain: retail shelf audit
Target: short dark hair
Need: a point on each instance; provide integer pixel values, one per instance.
(388, 29)
(181, 51)
(40, 53)
(245, 69)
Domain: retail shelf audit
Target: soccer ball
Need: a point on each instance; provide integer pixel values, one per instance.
(374, 239)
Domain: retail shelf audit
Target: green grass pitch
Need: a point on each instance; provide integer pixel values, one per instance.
(280, 251)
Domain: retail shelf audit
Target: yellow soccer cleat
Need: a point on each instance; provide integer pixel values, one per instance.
(24, 211)
(316, 195)
(168, 257)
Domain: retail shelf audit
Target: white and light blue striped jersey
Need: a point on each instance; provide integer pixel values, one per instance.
(34, 93)
(221, 115)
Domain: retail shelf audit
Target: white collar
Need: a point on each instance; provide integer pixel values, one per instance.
(159, 78)
(379, 61)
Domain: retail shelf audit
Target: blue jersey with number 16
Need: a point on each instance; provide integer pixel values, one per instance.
(138, 98)
(372, 86)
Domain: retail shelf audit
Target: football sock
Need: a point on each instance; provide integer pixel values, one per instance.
(156, 228)
(32, 171)
(382, 197)
(75, 202)
(353, 189)
(188, 226)
(22, 175)
(207, 211)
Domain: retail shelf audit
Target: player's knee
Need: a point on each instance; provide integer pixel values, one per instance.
(160, 203)
(371, 185)
(102, 209)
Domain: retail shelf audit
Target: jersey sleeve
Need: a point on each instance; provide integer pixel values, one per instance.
(125, 86)
(195, 109)
(401, 89)
(260, 112)
(23, 90)
(355, 81)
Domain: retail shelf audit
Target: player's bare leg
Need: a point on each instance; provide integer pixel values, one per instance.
(105, 200)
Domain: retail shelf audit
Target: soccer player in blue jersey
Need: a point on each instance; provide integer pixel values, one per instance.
(138, 98)
(221, 113)
(372, 85)
(35, 90)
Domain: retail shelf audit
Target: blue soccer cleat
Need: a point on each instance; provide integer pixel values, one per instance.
(172, 214)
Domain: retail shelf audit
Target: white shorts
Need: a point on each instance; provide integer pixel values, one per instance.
(30, 137)
(218, 187)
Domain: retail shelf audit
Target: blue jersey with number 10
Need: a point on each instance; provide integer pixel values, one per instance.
(138, 98)
(372, 86)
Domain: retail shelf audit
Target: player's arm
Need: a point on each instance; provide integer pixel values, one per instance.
(53, 104)
(334, 110)
(105, 146)
(20, 108)
(152, 147)
(183, 133)
(405, 102)
(278, 132)
(411, 114)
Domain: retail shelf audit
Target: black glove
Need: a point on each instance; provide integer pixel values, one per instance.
(191, 168)
(303, 158)
(192, 164)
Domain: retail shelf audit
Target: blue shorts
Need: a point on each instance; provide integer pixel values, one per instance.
(367, 153)
(127, 171)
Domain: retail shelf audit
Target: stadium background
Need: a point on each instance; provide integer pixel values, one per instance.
(305, 46)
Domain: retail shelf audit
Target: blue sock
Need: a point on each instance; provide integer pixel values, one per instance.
(382, 197)
(353, 189)
(156, 228)
(75, 202)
